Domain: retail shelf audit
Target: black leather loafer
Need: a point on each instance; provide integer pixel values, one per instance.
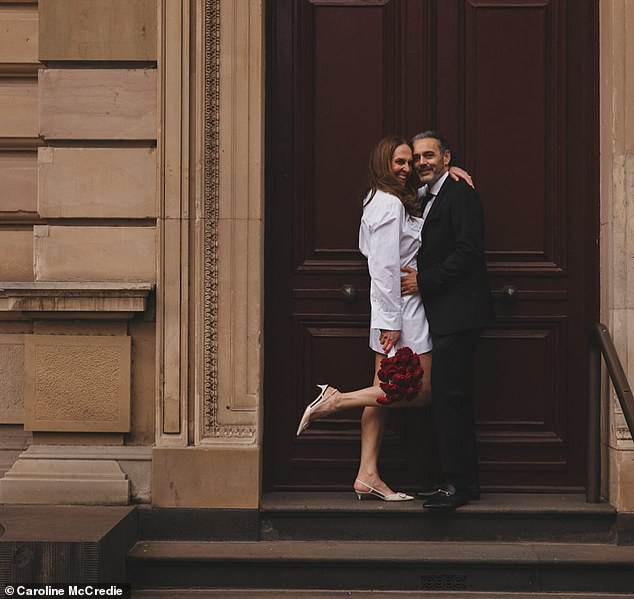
(473, 492)
(447, 498)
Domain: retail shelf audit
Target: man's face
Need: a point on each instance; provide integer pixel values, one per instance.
(429, 162)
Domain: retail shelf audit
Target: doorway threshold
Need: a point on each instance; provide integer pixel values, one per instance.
(509, 517)
(512, 503)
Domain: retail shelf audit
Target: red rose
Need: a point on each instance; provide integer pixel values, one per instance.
(389, 388)
(401, 376)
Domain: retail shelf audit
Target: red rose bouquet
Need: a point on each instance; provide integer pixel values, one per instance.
(401, 376)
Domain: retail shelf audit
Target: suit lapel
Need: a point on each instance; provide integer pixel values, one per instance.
(435, 208)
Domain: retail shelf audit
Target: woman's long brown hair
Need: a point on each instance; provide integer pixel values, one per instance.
(381, 177)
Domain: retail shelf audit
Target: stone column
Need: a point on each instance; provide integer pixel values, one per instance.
(212, 458)
(617, 228)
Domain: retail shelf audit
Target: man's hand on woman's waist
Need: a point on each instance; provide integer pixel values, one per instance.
(409, 284)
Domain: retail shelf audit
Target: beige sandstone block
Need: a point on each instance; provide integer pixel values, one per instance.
(16, 255)
(77, 383)
(239, 320)
(65, 482)
(18, 182)
(19, 39)
(143, 428)
(11, 379)
(12, 327)
(73, 327)
(628, 230)
(628, 78)
(97, 29)
(76, 439)
(18, 108)
(97, 103)
(95, 253)
(135, 462)
(200, 477)
(96, 182)
(13, 441)
(622, 480)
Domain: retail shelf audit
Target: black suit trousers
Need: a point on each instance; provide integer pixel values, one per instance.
(453, 390)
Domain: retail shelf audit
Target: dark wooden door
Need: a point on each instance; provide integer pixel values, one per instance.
(513, 85)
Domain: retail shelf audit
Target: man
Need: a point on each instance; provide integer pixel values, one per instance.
(452, 280)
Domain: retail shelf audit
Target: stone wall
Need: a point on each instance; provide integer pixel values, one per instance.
(18, 206)
(78, 241)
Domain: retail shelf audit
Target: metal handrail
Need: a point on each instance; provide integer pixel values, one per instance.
(602, 345)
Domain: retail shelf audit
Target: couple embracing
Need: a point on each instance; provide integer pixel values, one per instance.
(422, 232)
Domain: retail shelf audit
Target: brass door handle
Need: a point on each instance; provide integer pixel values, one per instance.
(349, 293)
(509, 294)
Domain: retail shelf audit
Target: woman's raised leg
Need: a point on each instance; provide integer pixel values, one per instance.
(336, 401)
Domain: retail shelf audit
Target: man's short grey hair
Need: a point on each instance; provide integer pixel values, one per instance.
(442, 142)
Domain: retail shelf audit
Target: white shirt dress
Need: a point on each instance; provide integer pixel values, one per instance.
(390, 239)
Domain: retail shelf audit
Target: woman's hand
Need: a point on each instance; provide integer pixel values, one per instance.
(456, 173)
(388, 339)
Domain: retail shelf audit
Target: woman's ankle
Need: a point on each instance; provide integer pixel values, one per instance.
(329, 405)
(368, 480)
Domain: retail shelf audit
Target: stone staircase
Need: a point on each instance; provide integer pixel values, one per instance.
(331, 545)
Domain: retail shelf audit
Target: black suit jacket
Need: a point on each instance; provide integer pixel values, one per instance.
(452, 275)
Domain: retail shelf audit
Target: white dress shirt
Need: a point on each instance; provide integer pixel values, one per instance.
(390, 239)
(435, 188)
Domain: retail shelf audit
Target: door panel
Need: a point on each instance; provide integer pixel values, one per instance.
(337, 77)
(502, 80)
(511, 99)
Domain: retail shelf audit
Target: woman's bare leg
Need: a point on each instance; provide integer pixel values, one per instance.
(373, 422)
(366, 397)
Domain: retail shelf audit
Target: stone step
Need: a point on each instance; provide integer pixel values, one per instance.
(340, 516)
(496, 517)
(404, 566)
(69, 543)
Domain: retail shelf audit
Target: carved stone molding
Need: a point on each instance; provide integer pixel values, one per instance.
(209, 307)
(210, 213)
(231, 216)
(88, 297)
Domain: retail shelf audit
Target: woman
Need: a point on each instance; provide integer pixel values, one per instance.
(389, 237)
